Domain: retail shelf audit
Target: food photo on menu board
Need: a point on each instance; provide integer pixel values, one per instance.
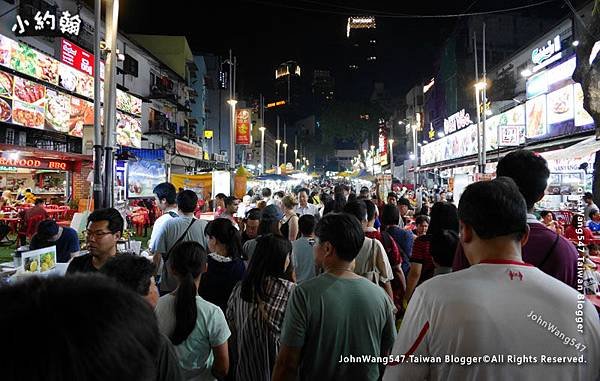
(142, 176)
(28, 115)
(81, 114)
(582, 118)
(29, 92)
(6, 47)
(536, 117)
(69, 77)
(24, 59)
(6, 84)
(560, 105)
(129, 131)
(39, 261)
(58, 111)
(47, 69)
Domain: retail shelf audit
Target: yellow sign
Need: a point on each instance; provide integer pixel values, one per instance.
(274, 104)
(208, 134)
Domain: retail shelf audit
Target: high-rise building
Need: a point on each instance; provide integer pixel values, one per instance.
(361, 59)
(323, 89)
(287, 83)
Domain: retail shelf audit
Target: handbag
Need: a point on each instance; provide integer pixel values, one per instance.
(373, 273)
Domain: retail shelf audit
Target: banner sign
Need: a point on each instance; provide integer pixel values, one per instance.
(242, 125)
(188, 149)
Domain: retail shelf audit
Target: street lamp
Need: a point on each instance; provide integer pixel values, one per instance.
(295, 159)
(285, 145)
(391, 141)
(278, 142)
(262, 149)
(479, 87)
(232, 103)
(373, 159)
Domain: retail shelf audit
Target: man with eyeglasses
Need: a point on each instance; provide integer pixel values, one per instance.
(104, 229)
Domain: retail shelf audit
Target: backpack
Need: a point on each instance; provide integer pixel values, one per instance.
(405, 259)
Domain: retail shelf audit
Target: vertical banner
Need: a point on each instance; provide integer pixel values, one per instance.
(383, 147)
(242, 125)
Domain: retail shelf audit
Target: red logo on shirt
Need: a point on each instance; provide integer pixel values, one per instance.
(515, 274)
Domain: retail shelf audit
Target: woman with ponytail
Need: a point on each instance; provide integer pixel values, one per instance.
(225, 266)
(197, 328)
(256, 308)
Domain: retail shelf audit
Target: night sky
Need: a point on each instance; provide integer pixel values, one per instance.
(264, 33)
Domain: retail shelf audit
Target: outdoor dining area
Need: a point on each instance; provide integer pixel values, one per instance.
(20, 227)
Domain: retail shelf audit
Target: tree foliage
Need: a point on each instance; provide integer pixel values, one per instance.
(588, 75)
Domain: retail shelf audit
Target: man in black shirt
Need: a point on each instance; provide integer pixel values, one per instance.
(104, 230)
(137, 274)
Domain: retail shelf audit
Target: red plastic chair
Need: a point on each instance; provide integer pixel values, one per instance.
(29, 228)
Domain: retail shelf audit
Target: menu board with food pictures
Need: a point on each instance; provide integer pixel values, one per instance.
(40, 261)
(28, 91)
(536, 117)
(560, 105)
(5, 110)
(142, 176)
(58, 111)
(82, 113)
(582, 118)
(129, 131)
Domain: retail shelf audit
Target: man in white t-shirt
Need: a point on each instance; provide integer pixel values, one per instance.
(165, 194)
(500, 319)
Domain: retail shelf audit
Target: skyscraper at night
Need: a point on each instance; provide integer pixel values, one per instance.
(361, 59)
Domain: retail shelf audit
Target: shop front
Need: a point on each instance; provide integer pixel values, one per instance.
(56, 177)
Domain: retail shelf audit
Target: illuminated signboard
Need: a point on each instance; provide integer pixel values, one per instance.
(457, 121)
(35, 163)
(188, 149)
(208, 134)
(275, 104)
(541, 54)
(364, 22)
(45, 24)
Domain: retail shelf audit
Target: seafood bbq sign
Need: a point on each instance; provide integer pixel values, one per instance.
(457, 121)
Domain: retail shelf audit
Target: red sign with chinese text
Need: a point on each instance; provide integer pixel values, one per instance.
(243, 125)
(76, 57)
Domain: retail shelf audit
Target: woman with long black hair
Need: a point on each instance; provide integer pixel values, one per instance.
(444, 223)
(256, 308)
(197, 328)
(225, 264)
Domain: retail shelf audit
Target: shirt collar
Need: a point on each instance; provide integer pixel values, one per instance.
(532, 219)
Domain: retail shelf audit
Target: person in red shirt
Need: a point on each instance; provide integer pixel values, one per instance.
(36, 210)
(572, 234)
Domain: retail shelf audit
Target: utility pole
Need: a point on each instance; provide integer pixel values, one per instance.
(477, 103)
(97, 190)
(110, 92)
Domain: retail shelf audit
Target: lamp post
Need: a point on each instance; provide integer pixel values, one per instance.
(262, 149)
(278, 142)
(391, 141)
(285, 154)
(373, 159)
(232, 103)
(479, 86)
(295, 159)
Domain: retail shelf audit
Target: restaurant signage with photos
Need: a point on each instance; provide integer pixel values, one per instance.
(28, 162)
(243, 125)
(31, 104)
(188, 149)
(383, 147)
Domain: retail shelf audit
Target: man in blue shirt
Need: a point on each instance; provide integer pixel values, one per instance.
(50, 234)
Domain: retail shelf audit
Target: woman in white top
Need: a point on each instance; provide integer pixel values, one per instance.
(197, 328)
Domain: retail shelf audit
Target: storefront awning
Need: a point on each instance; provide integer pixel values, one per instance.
(579, 150)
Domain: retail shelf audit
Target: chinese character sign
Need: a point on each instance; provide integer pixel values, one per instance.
(67, 24)
(242, 126)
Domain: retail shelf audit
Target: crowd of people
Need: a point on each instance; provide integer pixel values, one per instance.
(319, 284)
